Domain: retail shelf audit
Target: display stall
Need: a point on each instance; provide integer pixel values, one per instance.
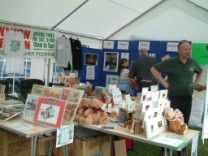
(92, 73)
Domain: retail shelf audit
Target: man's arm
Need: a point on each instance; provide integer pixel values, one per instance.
(158, 76)
(198, 78)
(133, 83)
(202, 87)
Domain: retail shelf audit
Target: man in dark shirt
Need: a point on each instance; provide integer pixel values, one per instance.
(140, 75)
(180, 71)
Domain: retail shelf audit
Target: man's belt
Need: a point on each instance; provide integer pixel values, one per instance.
(146, 81)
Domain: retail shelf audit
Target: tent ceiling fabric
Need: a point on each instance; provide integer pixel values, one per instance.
(103, 19)
(43, 13)
(171, 20)
(201, 3)
(100, 18)
(97, 18)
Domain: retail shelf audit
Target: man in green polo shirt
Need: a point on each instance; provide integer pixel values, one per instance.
(180, 71)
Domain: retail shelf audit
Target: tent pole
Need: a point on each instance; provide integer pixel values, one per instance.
(13, 24)
(198, 6)
(69, 14)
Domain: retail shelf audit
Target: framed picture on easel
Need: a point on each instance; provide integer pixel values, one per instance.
(110, 61)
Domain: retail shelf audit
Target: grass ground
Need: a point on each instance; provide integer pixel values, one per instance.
(142, 149)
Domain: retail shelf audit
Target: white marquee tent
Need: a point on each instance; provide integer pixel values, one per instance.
(96, 20)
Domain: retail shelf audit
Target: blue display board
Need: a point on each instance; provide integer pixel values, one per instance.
(158, 48)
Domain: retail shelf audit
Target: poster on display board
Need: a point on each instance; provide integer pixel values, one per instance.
(37, 42)
(91, 59)
(125, 55)
(145, 45)
(172, 47)
(123, 45)
(108, 45)
(112, 80)
(110, 61)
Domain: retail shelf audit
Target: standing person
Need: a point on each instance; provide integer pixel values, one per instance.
(180, 71)
(123, 83)
(141, 71)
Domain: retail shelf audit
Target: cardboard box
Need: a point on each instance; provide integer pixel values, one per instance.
(43, 144)
(99, 146)
(120, 148)
(87, 142)
(14, 145)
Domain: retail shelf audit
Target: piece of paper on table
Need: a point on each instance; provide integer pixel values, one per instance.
(20, 126)
(168, 141)
(64, 135)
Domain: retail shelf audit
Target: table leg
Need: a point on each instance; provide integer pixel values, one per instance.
(171, 152)
(65, 150)
(168, 152)
(33, 146)
(51, 147)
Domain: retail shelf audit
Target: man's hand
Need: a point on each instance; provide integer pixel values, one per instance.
(198, 87)
(165, 84)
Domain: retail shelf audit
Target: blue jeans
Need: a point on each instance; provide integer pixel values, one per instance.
(124, 86)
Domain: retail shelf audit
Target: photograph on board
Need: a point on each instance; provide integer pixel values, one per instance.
(110, 61)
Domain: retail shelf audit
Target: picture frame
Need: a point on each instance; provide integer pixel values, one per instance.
(111, 61)
(155, 126)
(151, 114)
(144, 94)
(163, 94)
(91, 59)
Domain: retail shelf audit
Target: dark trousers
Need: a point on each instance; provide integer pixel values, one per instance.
(183, 103)
(144, 84)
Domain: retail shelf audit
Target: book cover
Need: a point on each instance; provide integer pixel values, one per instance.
(75, 95)
(52, 92)
(70, 112)
(50, 112)
(30, 107)
(37, 89)
(66, 93)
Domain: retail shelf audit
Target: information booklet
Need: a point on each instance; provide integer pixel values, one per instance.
(70, 112)
(30, 107)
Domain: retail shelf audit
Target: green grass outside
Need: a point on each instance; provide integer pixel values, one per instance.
(143, 149)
